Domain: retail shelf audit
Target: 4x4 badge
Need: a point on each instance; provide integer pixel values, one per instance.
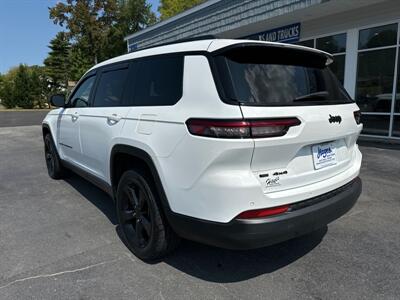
(335, 119)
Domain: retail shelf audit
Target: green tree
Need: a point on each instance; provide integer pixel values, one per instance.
(97, 27)
(22, 93)
(132, 16)
(79, 63)
(25, 87)
(7, 88)
(40, 86)
(57, 62)
(87, 22)
(170, 8)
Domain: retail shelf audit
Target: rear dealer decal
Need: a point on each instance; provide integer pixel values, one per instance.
(272, 182)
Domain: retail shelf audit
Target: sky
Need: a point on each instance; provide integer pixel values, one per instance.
(25, 31)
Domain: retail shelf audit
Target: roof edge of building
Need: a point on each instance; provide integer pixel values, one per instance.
(174, 18)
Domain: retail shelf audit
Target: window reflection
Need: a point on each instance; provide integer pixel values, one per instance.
(375, 80)
(397, 103)
(378, 37)
(332, 44)
(396, 126)
(375, 125)
(337, 67)
(306, 43)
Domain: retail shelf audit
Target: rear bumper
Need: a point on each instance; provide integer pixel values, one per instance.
(303, 217)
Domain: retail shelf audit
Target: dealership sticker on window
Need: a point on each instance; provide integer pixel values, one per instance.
(324, 155)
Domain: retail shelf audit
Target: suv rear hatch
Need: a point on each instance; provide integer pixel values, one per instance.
(273, 82)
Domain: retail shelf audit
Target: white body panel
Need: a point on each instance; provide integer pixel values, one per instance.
(209, 178)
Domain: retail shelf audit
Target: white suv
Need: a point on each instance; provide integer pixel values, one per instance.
(234, 143)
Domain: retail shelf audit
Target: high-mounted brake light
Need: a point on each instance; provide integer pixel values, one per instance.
(262, 213)
(357, 117)
(241, 129)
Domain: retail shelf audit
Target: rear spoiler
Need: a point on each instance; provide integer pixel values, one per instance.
(274, 51)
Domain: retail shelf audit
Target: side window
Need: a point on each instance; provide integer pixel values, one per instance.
(110, 88)
(160, 81)
(80, 97)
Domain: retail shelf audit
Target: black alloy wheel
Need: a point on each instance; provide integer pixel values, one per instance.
(54, 167)
(49, 155)
(144, 229)
(135, 215)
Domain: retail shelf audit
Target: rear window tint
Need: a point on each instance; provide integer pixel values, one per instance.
(277, 77)
(159, 81)
(110, 88)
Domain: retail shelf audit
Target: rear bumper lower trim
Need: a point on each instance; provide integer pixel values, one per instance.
(303, 217)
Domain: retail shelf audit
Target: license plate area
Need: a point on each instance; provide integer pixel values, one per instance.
(324, 155)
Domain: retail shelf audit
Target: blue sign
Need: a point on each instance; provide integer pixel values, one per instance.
(132, 47)
(285, 34)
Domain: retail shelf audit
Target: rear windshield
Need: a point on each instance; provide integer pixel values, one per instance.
(271, 76)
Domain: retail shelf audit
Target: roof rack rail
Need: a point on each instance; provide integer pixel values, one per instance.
(190, 39)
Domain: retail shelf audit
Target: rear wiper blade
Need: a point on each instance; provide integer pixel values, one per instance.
(313, 96)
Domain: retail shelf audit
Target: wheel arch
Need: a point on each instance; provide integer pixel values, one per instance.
(46, 130)
(139, 158)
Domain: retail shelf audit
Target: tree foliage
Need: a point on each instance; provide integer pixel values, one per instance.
(170, 8)
(57, 62)
(98, 27)
(24, 87)
(79, 63)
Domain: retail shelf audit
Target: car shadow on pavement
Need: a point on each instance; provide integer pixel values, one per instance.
(224, 266)
(95, 195)
(211, 263)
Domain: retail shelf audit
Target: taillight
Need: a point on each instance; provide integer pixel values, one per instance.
(357, 117)
(241, 129)
(261, 213)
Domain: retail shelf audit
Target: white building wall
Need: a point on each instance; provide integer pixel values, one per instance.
(365, 16)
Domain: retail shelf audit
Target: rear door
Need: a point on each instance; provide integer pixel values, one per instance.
(102, 122)
(288, 84)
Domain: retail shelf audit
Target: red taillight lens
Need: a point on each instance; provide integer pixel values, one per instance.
(240, 129)
(260, 213)
(218, 128)
(357, 117)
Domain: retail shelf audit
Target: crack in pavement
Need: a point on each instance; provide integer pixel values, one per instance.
(58, 273)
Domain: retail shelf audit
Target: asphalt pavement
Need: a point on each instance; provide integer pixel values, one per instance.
(59, 240)
(21, 118)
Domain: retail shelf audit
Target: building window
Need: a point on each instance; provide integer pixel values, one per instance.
(376, 124)
(306, 43)
(396, 126)
(377, 48)
(336, 45)
(397, 96)
(375, 80)
(378, 37)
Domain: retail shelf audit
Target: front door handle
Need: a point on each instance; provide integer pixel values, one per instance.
(113, 119)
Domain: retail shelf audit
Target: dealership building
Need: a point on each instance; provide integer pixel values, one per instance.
(362, 35)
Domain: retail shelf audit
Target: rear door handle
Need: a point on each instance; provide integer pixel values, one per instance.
(75, 116)
(113, 119)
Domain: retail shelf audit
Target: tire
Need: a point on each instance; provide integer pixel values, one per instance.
(143, 227)
(53, 162)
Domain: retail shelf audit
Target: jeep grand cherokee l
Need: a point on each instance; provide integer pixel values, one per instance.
(234, 143)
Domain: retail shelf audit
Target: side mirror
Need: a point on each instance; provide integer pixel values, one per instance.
(57, 100)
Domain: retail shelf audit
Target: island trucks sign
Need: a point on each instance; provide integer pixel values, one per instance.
(285, 34)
